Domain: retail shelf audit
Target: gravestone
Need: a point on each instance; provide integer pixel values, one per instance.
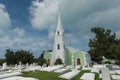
(20, 66)
(27, 65)
(105, 73)
(4, 66)
(16, 65)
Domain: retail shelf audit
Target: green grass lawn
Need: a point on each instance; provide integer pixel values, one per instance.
(97, 76)
(42, 75)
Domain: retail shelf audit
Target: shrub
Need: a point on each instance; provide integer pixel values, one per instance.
(58, 61)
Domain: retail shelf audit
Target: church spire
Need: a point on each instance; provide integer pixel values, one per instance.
(59, 46)
(59, 25)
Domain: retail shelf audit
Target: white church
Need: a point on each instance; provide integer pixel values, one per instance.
(68, 55)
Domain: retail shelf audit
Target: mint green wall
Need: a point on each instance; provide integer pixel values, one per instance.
(88, 59)
(47, 56)
(80, 55)
(85, 58)
(68, 57)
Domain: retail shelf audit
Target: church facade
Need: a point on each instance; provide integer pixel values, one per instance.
(68, 55)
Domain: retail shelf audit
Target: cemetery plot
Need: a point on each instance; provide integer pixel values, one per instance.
(52, 68)
(115, 77)
(62, 70)
(96, 70)
(19, 78)
(117, 71)
(32, 68)
(88, 76)
(105, 74)
(70, 75)
(9, 74)
(112, 72)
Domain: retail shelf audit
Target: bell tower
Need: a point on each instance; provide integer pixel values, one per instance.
(59, 46)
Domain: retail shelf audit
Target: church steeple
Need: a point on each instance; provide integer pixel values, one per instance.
(59, 46)
(59, 30)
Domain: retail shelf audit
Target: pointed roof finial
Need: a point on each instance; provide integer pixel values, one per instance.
(59, 7)
(59, 25)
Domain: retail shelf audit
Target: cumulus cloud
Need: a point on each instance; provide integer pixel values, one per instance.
(43, 13)
(78, 17)
(4, 19)
(19, 31)
(17, 37)
(27, 43)
(75, 13)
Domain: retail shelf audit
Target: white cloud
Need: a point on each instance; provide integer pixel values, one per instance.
(118, 33)
(80, 14)
(78, 17)
(19, 31)
(27, 43)
(4, 19)
(43, 13)
(105, 17)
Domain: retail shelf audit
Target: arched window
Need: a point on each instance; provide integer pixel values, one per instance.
(57, 32)
(58, 46)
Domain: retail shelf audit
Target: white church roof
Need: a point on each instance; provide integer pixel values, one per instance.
(75, 50)
(72, 49)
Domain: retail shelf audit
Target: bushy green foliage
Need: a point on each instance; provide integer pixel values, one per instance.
(104, 44)
(10, 57)
(41, 59)
(18, 56)
(107, 62)
(58, 61)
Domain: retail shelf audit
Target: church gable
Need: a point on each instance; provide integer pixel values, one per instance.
(79, 55)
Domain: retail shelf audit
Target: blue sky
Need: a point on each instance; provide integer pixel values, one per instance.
(31, 24)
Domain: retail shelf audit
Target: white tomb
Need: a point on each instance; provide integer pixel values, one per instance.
(88, 76)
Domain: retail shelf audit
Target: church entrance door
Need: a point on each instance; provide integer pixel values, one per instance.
(48, 62)
(78, 61)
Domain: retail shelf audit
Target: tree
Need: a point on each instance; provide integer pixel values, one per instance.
(2, 61)
(103, 44)
(24, 56)
(42, 55)
(10, 57)
(58, 61)
(41, 59)
(18, 56)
